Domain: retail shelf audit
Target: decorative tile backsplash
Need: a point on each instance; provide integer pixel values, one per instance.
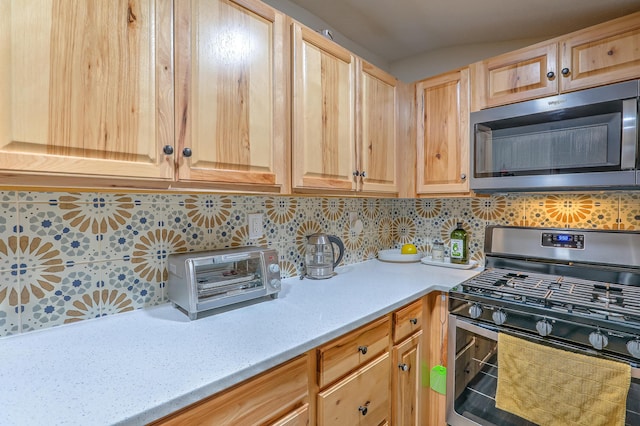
(67, 257)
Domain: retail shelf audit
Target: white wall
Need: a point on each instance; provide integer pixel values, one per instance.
(440, 60)
(312, 21)
(411, 69)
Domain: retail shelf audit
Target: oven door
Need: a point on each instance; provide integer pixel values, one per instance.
(473, 377)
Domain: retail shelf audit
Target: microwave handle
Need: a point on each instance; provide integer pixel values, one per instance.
(629, 134)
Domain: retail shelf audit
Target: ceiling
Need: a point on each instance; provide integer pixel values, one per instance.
(399, 29)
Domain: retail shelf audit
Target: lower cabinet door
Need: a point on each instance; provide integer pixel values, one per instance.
(362, 398)
(406, 381)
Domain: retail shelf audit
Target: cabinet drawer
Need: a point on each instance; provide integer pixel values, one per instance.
(362, 398)
(299, 417)
(407, 321)
(255, 401)
(352, 350)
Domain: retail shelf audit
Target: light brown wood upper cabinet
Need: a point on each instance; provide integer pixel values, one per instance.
(376, 131)
(323, 146)
(443, 133)
(231, 76)
(598, 55)
(86, 88)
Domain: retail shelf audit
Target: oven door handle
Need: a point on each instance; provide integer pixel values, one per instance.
(492, 334)
(488, 332)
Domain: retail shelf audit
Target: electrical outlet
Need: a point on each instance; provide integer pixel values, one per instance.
(255, 226)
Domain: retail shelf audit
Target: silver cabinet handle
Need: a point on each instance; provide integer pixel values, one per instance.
(413, 321)
(403, 367)
(463, 176)
(363, 174)
(362, 349)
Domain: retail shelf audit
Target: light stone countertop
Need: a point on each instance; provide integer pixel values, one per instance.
(136, 367)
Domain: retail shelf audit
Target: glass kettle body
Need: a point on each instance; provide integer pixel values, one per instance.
(320, 258)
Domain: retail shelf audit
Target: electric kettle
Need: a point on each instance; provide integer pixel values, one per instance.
(320, 256)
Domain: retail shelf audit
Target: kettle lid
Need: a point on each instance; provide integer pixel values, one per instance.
(318, 238)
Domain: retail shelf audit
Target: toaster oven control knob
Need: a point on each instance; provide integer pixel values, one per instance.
(499, 317)
(544, 327)
(475, 311)
(633, 346)
(274, 268)
(275, 283)
(598, 340)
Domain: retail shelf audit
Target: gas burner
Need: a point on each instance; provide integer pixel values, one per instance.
(505, 283)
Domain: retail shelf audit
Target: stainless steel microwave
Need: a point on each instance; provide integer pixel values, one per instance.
(575, 141)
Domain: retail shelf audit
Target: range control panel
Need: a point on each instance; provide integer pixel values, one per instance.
(563, 240)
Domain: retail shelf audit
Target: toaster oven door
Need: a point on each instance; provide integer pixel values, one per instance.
(226, 279)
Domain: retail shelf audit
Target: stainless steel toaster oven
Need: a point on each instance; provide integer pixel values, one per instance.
(208, 280)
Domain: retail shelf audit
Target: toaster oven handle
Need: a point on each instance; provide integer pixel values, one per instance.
(231, 257)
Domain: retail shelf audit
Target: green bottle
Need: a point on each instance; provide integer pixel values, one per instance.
(459, 247)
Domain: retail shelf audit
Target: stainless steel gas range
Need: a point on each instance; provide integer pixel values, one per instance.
(573, 289)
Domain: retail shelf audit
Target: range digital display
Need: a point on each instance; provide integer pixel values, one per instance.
(562, 240)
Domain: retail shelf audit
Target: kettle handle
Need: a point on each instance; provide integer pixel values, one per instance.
(337, 241)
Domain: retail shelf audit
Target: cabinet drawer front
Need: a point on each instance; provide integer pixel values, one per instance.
(348, 352)
(298, 417)
(255, 401)
(344, 403)
(407, 321)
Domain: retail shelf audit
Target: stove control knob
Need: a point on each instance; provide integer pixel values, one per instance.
(598, 340)
(499, 317)
(274, 268)
(475, 311)
(544, 327)
(275, 283)
(633, 346)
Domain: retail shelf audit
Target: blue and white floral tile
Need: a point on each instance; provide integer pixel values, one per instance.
(500, 209)
(141, 283)
(8, 235)
(404, 231)
(386, 233)
(66, 227)
(9, 303)
(428, 208)
(282, 210)
(629, 211)
(334, 214)
(193, 230)
(125, 219)
(57, 303)
(291, 258)
(288, 267)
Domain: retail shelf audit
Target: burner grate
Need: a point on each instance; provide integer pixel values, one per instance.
(613, 301)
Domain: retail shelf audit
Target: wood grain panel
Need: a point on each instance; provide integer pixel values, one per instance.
(406, 384)
(231, 79)
(87, 87)
(369, 386)
(342, 355)
(256, 401)
(434, 353)
(407, 321)
(376, 137)
(323, 113)
(443, 133)
(519, 75)
(602, 54)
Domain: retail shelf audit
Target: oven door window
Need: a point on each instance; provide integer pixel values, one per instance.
(476, 380)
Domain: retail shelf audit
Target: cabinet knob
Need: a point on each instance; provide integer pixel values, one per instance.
(463, 176)
(362, 349)
(168, 149)
(565, 71)
(356, 173)
(187, 152)
(363, 409)
(403, 367)
(413, 321)
(551, 74)
(363, 174)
